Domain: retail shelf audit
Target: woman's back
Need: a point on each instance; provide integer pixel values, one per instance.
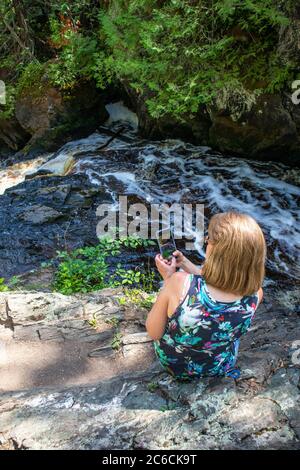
(201, 338)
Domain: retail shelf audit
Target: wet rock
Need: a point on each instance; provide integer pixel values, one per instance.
(12, 134)
(58, 166)
(267, 131)
(267, 128)
(39, 214)
(52, 117)
(63, 216)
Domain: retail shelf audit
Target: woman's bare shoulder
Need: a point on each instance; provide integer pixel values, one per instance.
(260, 294)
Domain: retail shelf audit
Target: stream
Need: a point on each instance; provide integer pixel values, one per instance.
(150, 172)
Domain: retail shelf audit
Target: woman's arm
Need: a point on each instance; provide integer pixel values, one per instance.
(169, 298)
(158, 315)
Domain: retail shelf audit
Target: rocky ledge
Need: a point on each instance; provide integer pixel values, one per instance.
(79, 372)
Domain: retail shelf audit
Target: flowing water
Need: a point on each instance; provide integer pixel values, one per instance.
(174, 171)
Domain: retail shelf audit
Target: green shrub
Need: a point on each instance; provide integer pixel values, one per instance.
(30, 81)
(76, 61)
(182, 54)
(3, 287)
(87, 269)
(137, 297)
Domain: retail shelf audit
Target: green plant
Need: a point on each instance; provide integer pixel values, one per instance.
(76, 61)
(14, 281)
(168, 407)
(93, 322)
(178, 54)
(133, 278)
(182, 54)
(7, 110)
(87, 269)
(137, 297)
(114, 321)
(30, 81)
(135, 242)
(152, 386)
(116, 342)
(46, 264)
(3, 287)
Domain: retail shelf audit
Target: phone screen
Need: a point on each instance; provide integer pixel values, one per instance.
(166, 243)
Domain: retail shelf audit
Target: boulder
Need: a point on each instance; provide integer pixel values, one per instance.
(36, 214)
(240, 122)
(53, 117)
(12, 134)
(266, 131)
(63, 385)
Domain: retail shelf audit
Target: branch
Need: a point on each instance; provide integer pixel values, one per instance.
(14, 34)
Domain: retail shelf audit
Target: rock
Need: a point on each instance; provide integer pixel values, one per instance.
(133, 351)
(50, 400)
(69, 221)
(194, 130)
(58, 166)
(267, 416)
(12, 134)
(136, 338)
(52, 117)
(285, 392)
(103, 351)
(16, 173)
(39, 215)
(262, 127)
(266, 131)
(27, 307)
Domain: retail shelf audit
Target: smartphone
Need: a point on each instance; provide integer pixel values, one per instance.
(166, 243)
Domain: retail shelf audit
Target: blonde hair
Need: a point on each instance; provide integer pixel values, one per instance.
(236, 263)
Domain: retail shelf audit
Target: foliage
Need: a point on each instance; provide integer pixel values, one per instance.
(93, 322)
(76, 61)
(182, 54)
(179, 54)
(7, 110)
(3, 287)
(59, 39)
(130, 277)
(114, 321)
(30, 80)
(87, 269)
(137, 297)
(152, 386)
(116, 341)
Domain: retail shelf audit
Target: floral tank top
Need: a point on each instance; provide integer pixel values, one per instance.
(201, 338)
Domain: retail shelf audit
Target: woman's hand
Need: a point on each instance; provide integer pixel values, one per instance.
(185, 264)
(180, 259)
(165, 268)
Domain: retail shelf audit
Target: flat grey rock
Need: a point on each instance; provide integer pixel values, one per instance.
(64, 385)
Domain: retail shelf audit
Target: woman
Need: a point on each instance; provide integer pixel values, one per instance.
(201, 313)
